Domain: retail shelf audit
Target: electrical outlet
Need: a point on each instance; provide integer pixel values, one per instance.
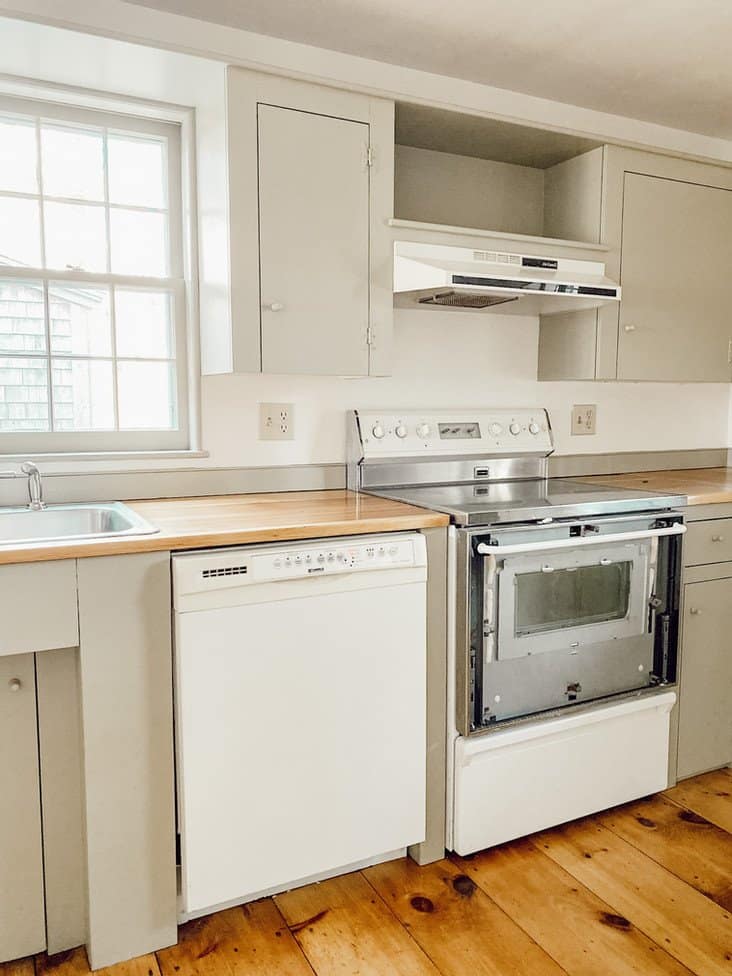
(276, 421)
(584, 418)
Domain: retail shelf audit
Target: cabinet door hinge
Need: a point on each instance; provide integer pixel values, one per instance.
(729, 351)
(369, 336)
(369, 155)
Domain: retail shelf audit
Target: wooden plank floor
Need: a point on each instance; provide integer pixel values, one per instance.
(641, 890)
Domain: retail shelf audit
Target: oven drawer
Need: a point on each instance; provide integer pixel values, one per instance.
(708, 542)
(512, 783)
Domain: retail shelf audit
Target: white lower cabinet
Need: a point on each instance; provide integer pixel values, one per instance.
(512, 783)
(705, 722)
(22, 919)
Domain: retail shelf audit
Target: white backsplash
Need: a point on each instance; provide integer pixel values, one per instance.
(459, 359)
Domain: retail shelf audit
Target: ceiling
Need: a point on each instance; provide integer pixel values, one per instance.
(665, 61)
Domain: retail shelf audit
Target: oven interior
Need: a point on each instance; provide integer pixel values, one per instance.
(553, 629)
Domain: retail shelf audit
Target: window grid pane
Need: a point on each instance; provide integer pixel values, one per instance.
(78, 387)
(52, 215)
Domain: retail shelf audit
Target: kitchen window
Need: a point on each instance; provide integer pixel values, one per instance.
(92, 294)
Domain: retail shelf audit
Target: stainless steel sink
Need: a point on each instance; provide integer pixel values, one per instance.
(58, 523)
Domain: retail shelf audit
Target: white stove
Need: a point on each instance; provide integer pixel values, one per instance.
(562, 616)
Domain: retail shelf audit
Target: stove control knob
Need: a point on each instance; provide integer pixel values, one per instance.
(378, 431)
(495, 429)
(423, 430)
(401, 431)
(534, 428)
(515, 428)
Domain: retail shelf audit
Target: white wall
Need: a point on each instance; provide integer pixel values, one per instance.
(440, 359)
(459, 359)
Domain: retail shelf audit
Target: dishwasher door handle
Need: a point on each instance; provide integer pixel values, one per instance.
(577, 542)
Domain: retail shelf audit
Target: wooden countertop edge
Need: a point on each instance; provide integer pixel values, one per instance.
(164, 541)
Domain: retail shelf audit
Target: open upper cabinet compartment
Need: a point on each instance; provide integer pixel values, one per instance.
(475, 174)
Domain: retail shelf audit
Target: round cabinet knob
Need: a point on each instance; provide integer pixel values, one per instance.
(495, 430)
(15, 684)
(273, 306)
(515, 428)
(534, 427)
(423, 430)
(401, 431)
(378, 431)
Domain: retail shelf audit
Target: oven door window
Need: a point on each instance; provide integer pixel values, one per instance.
(572, 597)
(549, 601)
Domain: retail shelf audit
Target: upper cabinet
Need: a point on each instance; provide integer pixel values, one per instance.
(667, 224)
(311, 195)
(676, 254)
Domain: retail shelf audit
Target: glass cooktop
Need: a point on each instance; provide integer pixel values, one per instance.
(524, 501)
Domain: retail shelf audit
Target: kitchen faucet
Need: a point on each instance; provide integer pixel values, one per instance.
(35, 485)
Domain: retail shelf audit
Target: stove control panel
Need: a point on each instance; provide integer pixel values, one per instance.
(413, 433)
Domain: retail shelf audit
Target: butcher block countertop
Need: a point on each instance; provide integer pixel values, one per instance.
(702, 486)
(227, 520)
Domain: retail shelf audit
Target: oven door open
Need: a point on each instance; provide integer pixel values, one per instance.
(565, 599)
(568, 613)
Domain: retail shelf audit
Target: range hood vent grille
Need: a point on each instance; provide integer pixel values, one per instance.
(457, 299)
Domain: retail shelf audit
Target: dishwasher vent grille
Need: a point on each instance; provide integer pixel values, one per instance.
(223, 571)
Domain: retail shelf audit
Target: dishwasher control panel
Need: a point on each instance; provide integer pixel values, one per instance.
(223, 568)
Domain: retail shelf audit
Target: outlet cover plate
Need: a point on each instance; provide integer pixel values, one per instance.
(276, 421)
(584, 418)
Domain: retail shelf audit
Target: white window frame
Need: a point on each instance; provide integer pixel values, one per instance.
(176, 126)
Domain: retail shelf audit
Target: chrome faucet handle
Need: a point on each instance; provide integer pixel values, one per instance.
(35, 485)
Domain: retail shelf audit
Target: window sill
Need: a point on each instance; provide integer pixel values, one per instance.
(105, 456)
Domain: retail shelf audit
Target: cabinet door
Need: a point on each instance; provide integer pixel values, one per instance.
(313, 242)
(675, 319)
(22, 924)
(705, 717)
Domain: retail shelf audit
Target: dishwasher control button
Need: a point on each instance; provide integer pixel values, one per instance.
(321, 557)
(393, 550)
(515, 428)
(534, 428)
(378, 431)
(308, 558)
(331, 557)
(298, 560)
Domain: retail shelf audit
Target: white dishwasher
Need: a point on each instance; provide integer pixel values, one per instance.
(300, 711)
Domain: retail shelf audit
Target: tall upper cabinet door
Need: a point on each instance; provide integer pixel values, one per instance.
(675, 320)
(22, 919)
(313, 242)
(311, 191)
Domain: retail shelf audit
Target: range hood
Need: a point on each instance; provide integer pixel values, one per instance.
(442, 276)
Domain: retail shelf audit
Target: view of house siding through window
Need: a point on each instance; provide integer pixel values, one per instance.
(90, 280)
